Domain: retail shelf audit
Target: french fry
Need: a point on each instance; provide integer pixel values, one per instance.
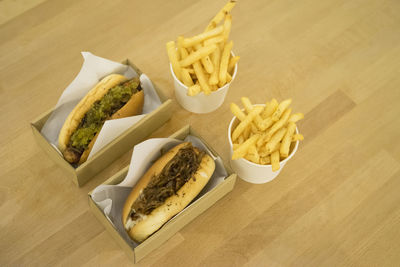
(265, 160)
(182, 51)
(215, 40)
(227, 27)
(267, 112)
(197, 55)
(277, 147)
(287, 139)
(248, 107)
(186, 79)
(280, 109)
(262, 140)
(242, 125)
(190, 70)
(265, 137)
(279, 124)
(269, 108)
(194, 90)
(263, 150)
(214, 87)
(253, 150)
(267, 123)
(296, 117)
(237, 112)
(223, 69)
(252, 158)
(188, 42)
(297, 137)
(246, 132)
(263, 153)
(253, 128)
(275, 161)
(215, 58)
(241, 151)
(228, 77)
(240, 139)
(275, 139)
(179, 45)
(173, 58)
(206, 61)
(220, 15)
(235, 146)
(232, 63)
(221, 46)
(203, 81)
(252, 155)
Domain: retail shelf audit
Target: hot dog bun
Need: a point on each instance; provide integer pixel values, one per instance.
(148, 224)
(132, 107)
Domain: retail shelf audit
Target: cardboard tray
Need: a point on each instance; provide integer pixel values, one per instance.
(114, 149)
(177, 222)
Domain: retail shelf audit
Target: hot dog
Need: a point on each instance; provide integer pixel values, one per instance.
(113, 97)
(167, 187)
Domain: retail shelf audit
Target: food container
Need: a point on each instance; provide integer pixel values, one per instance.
(206, 198)
(201, 103)
(113, 150)
(250, 171)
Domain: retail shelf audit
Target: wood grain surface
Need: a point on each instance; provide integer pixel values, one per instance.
(336, 203)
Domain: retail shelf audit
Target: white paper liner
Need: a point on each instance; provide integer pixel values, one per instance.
(111, 198)
(95, 68)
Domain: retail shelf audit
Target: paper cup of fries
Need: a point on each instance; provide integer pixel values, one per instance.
(203, 66)
(263, 140)
(252, 172)
(201, 103)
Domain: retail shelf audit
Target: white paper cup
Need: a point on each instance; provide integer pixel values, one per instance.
(200, 103)
(252, 172)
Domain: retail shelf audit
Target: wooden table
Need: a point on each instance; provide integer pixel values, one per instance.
(337, 202)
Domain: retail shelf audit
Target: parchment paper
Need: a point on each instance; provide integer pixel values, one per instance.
(95, 68)
(111, 198)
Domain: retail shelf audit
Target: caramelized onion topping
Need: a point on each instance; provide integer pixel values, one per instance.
(172, 177)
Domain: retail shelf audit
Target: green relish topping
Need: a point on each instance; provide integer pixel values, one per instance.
(101, 110)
